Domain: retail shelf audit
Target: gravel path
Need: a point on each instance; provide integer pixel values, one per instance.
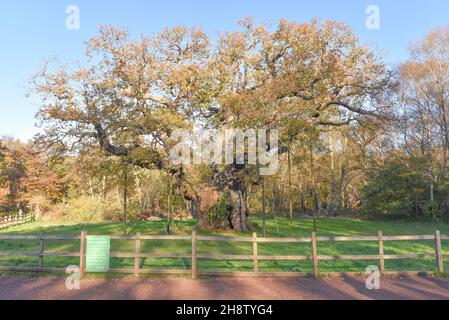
(345, 287)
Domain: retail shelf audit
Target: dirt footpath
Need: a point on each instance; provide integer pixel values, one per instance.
(344, 287)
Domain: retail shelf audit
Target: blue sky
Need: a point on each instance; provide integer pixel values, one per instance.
(34, 30)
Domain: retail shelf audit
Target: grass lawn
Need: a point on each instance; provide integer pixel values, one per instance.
(275, 228)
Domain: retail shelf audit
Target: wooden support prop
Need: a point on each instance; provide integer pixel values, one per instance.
(381, 252)
(194, 273)
(137, 256)
(315, 254)
(255, 255)
(83, 253)
(438, 252)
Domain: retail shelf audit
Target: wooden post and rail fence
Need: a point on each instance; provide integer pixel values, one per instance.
(12, 220)
(196, 240)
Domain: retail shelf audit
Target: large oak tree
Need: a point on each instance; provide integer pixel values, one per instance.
(131, 94)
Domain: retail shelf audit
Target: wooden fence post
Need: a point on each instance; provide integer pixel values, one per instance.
(137, 256)
(194, 274)
(256, 259)
(315, 255)
(381, 252)
(83, 253)
(438, 252)
(41, 252)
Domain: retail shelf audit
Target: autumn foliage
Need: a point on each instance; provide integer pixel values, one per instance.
(106, 124)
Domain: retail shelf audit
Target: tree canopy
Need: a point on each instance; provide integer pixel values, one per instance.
(131, 94)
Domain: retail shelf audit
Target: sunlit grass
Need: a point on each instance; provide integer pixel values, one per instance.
(275, 228)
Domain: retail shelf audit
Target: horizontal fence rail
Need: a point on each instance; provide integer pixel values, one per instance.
(195, 239)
